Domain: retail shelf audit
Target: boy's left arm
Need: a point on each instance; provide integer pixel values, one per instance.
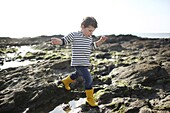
(101, 41)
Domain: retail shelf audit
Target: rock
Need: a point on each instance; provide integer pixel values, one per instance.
(130, 75)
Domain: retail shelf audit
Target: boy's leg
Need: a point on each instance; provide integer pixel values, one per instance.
(69, 79)
(66, 81)
(83, 71)
(75, 74)
(90, 99)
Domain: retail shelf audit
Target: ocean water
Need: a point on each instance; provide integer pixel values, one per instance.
(142, 35)
(152, 35)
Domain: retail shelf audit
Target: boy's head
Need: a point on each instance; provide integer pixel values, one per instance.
(89, 21)
(88, 25)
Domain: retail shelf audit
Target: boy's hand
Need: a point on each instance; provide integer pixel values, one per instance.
(56, 41)
(103, 38)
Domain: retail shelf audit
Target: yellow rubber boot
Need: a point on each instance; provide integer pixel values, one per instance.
(66, 81)
(90, 99)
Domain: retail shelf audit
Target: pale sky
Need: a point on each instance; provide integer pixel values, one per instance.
(31, 18)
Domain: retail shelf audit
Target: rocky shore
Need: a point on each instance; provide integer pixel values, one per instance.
(131, 75)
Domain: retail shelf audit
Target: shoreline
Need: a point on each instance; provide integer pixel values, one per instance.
(141, 35)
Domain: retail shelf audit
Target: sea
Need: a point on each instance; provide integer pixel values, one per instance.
(142, 35)
(152, 35)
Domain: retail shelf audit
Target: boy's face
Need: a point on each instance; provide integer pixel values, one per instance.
(87, 31)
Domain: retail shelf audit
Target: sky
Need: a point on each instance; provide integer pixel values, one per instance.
(31, 18)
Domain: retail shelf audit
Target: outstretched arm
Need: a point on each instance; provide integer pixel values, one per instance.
(65, 40)
(56, 41)
(101, 40)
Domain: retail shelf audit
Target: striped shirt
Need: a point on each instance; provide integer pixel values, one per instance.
(81, 48)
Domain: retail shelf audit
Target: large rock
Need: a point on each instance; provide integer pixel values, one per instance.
(130, 75)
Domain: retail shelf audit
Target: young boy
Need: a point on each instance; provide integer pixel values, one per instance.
(81, 43)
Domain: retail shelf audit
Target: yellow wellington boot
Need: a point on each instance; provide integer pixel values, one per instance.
(90, 99)
(66, 81)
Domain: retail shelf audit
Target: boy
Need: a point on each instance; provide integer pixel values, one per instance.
(81, 43)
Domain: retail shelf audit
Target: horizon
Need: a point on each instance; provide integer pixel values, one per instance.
(32, 18)
(142, 35)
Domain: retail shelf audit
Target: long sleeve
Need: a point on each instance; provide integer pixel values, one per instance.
(93, 46)
(68, 39)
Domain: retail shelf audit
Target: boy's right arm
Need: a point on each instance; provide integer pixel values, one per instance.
(63, 41)
(56, 41)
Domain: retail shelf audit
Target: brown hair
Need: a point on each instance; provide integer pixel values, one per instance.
(89, 21)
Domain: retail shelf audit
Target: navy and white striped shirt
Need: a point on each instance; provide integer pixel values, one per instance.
(81, 48)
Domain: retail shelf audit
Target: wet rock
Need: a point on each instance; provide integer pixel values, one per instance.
(130, 75)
